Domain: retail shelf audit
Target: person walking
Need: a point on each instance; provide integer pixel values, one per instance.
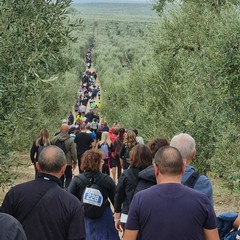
(66, 143)
(129, 142)
(147, 176)
(118, 143)
(38, 145)
(170, 210)
(140, 158)
(186, 145)
(113, 133)
(101, 227)
(84, 142)
(44, 209)
(106, 147)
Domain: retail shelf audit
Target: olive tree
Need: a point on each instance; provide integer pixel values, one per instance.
(34, 40)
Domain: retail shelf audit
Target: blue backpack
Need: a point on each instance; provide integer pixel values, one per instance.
(105, 150)
(225, 229)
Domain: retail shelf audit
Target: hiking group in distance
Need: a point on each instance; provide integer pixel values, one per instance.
(142, 191)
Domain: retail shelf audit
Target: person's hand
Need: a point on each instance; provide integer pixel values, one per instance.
(74, 165)
(118, 225)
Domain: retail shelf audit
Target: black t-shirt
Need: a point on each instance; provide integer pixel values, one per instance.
(170, 211)
(84, 142)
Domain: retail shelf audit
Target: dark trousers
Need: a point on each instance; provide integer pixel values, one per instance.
(67, 177)
(119, 167)
(106, 167)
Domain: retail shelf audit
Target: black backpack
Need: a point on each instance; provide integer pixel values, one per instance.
(39, 150)
(93, 198)
(61, 144)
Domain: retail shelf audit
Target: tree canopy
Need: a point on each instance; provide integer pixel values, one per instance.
(35, 35)
(190, 84)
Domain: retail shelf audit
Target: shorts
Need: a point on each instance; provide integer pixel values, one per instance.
(113, 162)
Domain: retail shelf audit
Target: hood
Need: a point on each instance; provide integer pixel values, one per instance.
(111, 130)
(148, 174)
(63, 136)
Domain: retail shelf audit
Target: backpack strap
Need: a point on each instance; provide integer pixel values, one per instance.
(32, 214)
(100, 179)
(87, 180)
(192, 179)
(83, 178)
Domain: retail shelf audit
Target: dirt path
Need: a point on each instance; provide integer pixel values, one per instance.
(224, 200)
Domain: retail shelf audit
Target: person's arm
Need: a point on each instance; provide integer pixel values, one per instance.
(131, 235)
(204, 185)
(111, 189)
(8, 205)
(117, 222)
(236, 223)
(211, 234)
(73, 188)
(92, 143)
(120, 194)
(122, 151)
(73, 150)
(33, 151)
(76, 138)
(118, 200)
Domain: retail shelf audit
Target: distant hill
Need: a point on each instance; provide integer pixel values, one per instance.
(114, 10)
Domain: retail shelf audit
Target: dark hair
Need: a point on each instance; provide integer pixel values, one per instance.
(82, 127)
(130, 139)
(121, 132)
(52, 159)
(115, 131)
(140, 156)
(136, 131)
(88, 127)
(156, 144)
(91, 160)
(169, 161)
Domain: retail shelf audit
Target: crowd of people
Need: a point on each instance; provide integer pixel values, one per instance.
(124, 186)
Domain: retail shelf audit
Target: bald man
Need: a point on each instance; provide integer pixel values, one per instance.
(45, 210)
(66, 143)
(170, 210)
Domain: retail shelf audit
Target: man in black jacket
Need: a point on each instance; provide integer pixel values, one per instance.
(11, 228)
(44, 209)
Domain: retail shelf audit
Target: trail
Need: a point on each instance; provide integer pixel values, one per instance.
(224, 200)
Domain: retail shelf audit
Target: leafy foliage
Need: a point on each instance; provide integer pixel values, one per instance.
(186, 80)
(34, 43)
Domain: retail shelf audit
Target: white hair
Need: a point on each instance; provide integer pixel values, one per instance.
(185, 144)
